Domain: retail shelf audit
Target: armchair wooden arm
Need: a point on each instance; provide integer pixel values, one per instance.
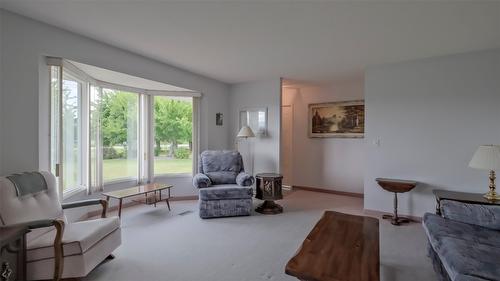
(58, 248)
(89, 202)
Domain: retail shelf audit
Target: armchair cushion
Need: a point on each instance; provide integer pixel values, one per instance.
(476, 214)
(224, 192)
(78, 237)
(201, 181)
(244, 179)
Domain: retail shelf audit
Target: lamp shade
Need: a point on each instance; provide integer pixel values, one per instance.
(487, 157)
(245, 132)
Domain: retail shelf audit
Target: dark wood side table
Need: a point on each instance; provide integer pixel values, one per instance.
(269, 189)
(465, 197)
(396, 186)
(12, 253)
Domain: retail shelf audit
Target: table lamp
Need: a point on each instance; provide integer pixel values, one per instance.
(487, 157)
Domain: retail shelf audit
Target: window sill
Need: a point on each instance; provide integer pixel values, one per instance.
(169, 176)
(119, 181)
(72, 192)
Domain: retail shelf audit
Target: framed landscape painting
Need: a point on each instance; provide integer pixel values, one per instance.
(344, 119)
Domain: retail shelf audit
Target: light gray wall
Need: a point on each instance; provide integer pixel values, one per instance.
(327, 163)
(259, 94)
(25, 90)
(1, 85)
(430, 116)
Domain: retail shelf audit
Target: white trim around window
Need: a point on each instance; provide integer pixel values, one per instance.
(91, 177)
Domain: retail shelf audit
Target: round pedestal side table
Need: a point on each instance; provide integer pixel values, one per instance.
(396, 186)
(268, 187)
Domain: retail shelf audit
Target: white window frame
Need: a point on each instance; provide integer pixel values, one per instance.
(145, 173)
(84, 129)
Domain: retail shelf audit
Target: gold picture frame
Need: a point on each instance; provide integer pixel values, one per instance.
(345, 119)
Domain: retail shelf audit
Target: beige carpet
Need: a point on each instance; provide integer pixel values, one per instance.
(161, 245)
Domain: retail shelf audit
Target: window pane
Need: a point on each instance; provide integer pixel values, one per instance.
(119, 130)
(173, 135)
(95, 137)
(71, 136)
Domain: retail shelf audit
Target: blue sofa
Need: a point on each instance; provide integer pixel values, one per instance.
(464, 243)
(225, 188)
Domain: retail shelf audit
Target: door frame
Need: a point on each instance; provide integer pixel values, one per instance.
(281, 142)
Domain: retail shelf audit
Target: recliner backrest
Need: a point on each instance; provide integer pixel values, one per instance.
(221, 166)
(24, 208)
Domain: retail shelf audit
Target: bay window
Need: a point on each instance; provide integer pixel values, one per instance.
(102, 133)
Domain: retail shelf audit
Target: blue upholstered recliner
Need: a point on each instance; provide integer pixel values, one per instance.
(225, 188)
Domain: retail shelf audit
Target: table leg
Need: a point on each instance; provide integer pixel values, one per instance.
(155, 199)
(168, 204)
(166, 200)
(396, 206)
(120, 208)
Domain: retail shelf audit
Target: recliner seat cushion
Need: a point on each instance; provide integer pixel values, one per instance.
(465, 250)
(222, 192)
(78, 237)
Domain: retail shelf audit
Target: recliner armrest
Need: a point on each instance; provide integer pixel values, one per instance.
(88, 202)
(201, 181)
(244, 179)
(36, 224)
(58, 248)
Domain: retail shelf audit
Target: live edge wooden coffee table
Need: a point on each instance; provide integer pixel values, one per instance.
(145, 189)
(340, 247)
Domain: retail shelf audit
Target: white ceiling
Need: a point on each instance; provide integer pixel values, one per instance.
(235, 41)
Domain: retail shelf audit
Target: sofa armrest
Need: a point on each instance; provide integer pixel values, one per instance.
(201, 181)
(477, 214)
(244, 179)
(89, 202)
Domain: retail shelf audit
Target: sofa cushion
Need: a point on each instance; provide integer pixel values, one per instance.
(77, 238)
(465, 250)
(437, 227)
(229, 191)
(477, 214)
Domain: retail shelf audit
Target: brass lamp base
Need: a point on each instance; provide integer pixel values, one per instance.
(492, 195)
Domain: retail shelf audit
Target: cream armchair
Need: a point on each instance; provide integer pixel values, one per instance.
(57, 248)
